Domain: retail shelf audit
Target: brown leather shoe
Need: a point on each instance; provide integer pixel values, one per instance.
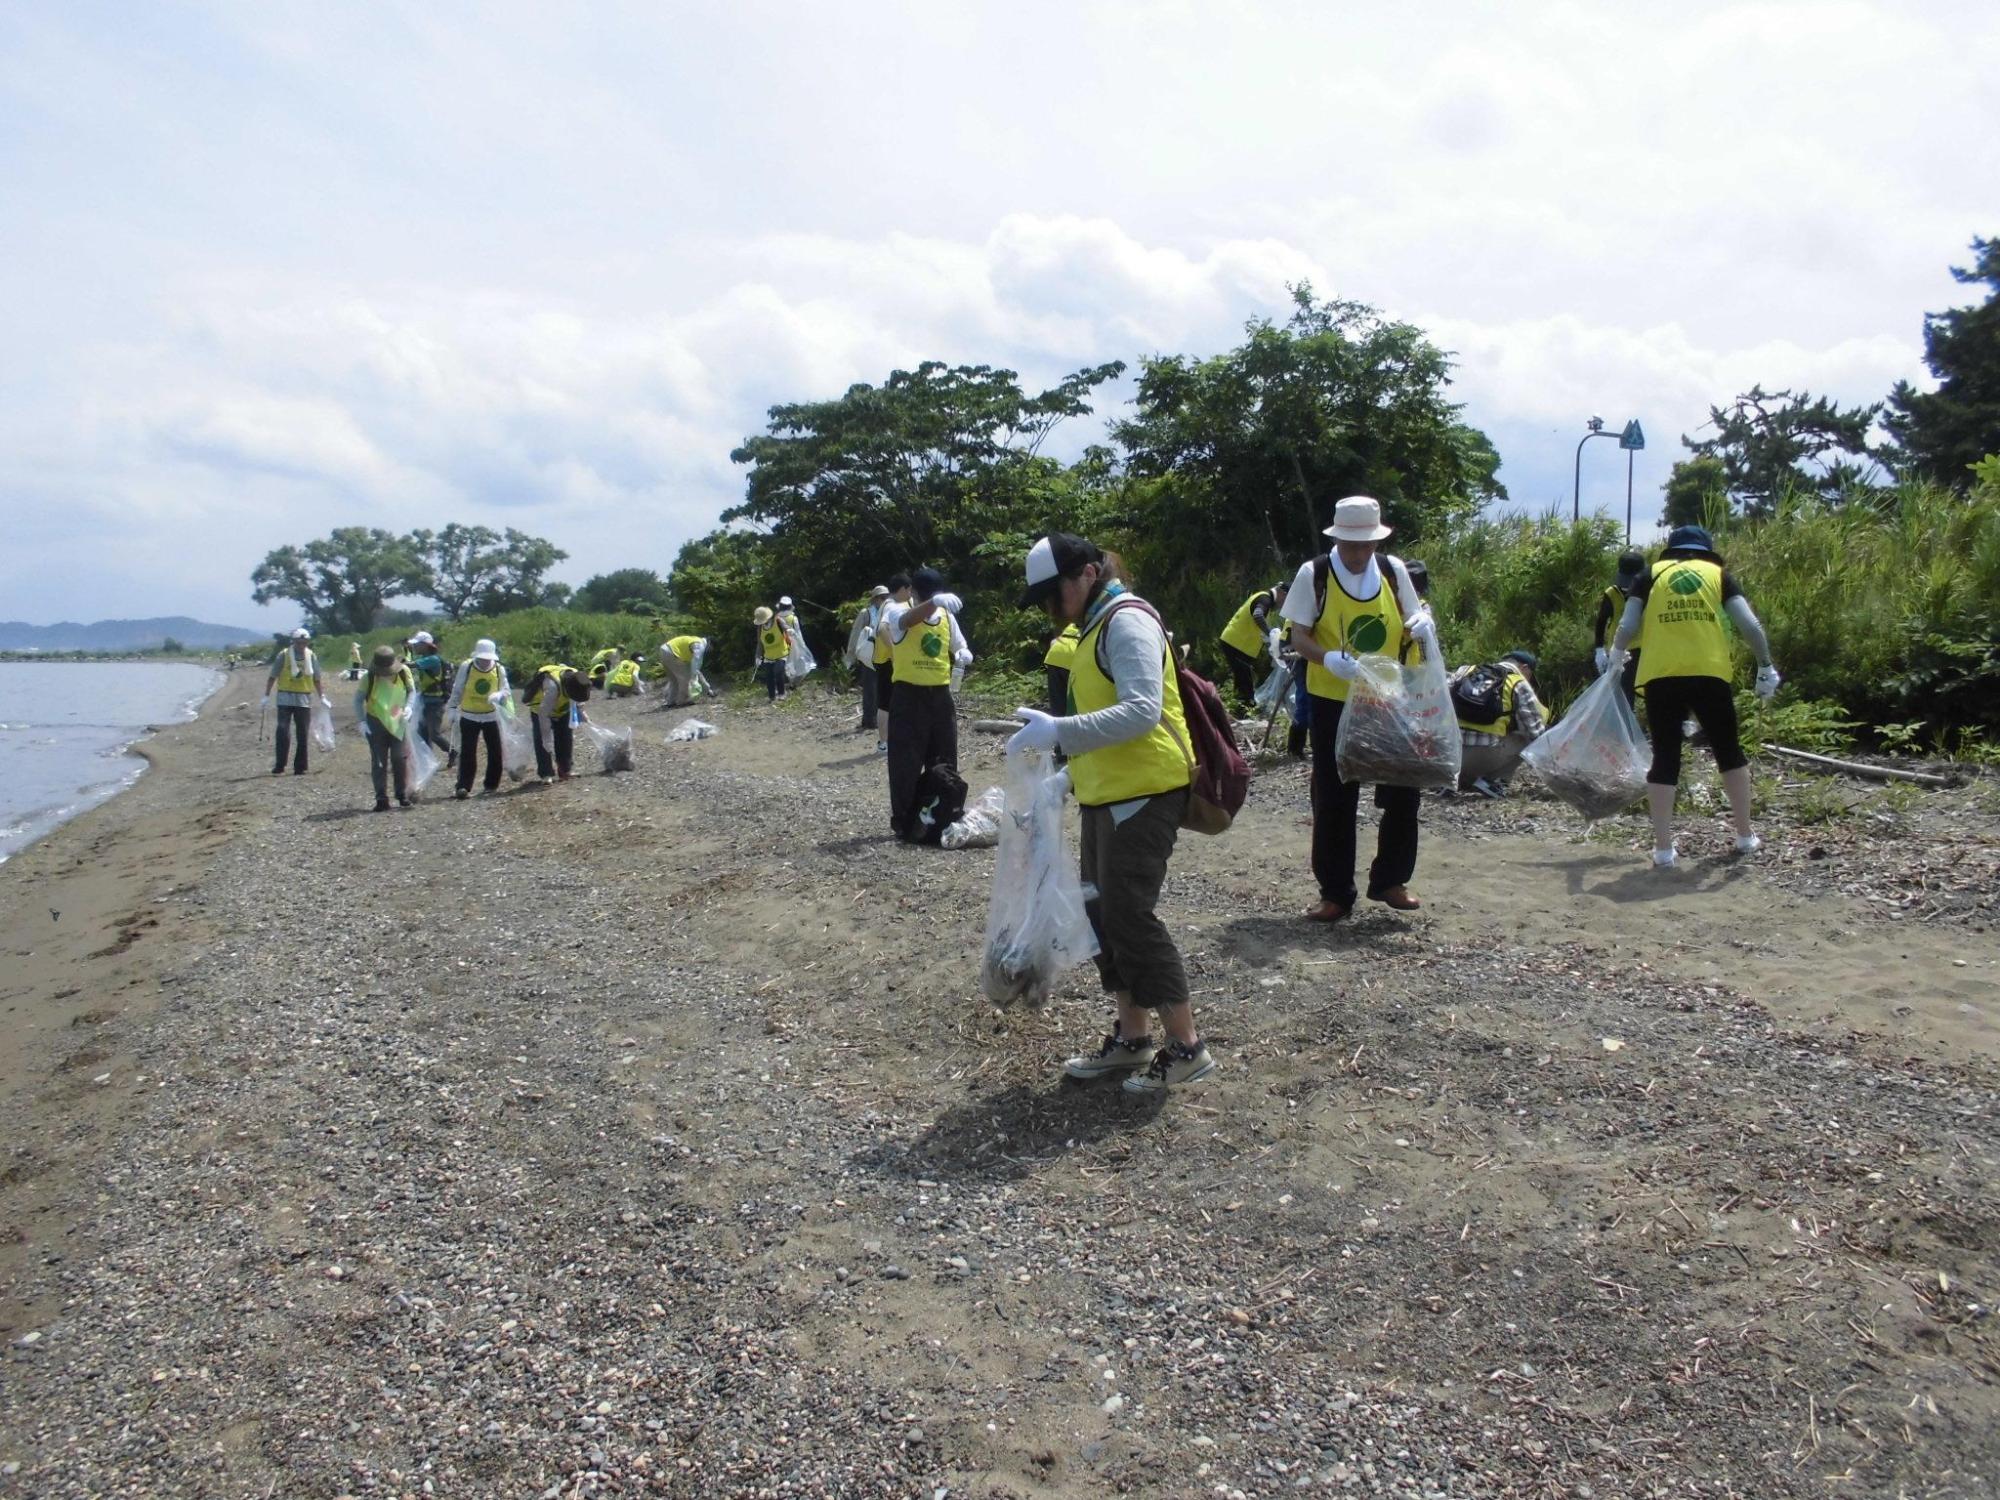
(1398, 898)
(1326, 911)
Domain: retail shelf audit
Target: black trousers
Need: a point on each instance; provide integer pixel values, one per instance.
(1337, 807)
(865, 674)
(1127, 863)
(294, 726)
(773, 675)
(1242, 672)
(1058, 690)
(433, 725)
(1669, 703)
(1629, 679)
(471, 736)
(386, 756)
(923, 732)
(565, 741)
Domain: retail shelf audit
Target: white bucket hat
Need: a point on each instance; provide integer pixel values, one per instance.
(302, 634)
(1357, 519)
(785, 600)
(484, 651)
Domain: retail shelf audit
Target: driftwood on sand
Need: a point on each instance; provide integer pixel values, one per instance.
(1858, 768)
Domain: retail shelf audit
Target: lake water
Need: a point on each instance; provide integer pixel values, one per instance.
(66, 731)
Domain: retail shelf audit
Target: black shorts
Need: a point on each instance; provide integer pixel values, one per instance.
(1671, 700)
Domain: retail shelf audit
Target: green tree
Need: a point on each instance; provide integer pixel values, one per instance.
(342, 581)
(636, 591)
(520, 565)
(1694, 485)
(1253, 447)
(463, 561)
(1774, 442)
(1943, 433)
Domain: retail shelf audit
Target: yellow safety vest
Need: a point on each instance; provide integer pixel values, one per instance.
(1617, 597)
(1502, 725)
(290, 681)
(1241, 631)
(1062, 650)
(1683, 622)
(1157, 761)
(923, 656)
(625, 674)
(683, 646)
(550, 678)
(386, 697)
(772, 643)
(883, 645)
(1362, 626)
(480, 686)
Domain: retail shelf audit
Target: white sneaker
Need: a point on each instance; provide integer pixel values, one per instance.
(1749, 844)
(1113, 1055)
(1663, 859)
(1171, 1069)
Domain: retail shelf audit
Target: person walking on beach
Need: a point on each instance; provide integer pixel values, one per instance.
(773, 647)
(861, 651)
(295, 674)
(1610, 612)
(1253, 628)
(354, 661)
(551, 694)
(923, 732)
(1342, 604)
(1499, 716)
(1680, 605)
(473, 703)
(1131, 765)
(387, 704)
(433, 681)
(887, 612)
(680, 659)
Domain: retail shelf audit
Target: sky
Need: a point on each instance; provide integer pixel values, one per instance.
(271, 268)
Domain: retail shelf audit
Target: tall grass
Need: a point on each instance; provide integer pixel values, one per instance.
(527, 638)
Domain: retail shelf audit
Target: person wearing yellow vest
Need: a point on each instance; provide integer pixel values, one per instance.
(602, 663)
(622, 680)
(923, 731)
(1055, 667)
(681, 658)
(552, 692)
(433, 677)
(1251, 630)
(295, 674)
(774, 645)
(477, 690)
(1131, 766)
(1687, 671)
(1507, 718)
(388, 706)
(861, 652)
(1610, 610)
(353, 661)
(1347, 603)
(887, 611)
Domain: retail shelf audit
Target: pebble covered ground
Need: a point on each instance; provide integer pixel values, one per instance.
(645, 1134)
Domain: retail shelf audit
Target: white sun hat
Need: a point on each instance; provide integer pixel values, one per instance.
(1357, 519)
(484, 651)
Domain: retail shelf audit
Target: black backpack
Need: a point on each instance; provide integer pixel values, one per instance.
(1481, 696)
(940, 803)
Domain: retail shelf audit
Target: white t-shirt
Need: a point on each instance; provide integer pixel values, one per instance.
(1302, 608)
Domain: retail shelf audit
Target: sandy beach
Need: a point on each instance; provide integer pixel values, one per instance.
(647, 1135)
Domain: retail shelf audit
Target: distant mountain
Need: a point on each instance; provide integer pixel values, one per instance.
(125, 635)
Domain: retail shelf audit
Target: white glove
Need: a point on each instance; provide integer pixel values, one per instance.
(1767, 682)
(949, 602)
(1602, 656)
(324, 701)
(265, 701)
(1276, 641)
(1340, 664)
(962, 657)
(1037, 732)
(1422, 624)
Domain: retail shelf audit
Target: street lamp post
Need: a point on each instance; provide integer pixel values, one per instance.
(1596, 426)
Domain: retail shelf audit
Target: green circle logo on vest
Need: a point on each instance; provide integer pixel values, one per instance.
(1367, 633)
(482, 685)
(1684, 581)
(933, 644)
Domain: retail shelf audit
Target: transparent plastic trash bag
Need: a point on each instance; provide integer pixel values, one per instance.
(614, 746)
(1398, 727)
(1276, 690)
(800, 664)
(423, 761)
(690, 730)
(517, 745)
(978, 827)
(1036, 926)
(1597, 757)
(322, 726)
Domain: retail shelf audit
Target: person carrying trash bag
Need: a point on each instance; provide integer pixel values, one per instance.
(1687, 670)
(923, 732)
(1253, 628)
(1499, 716)
(387, 704)
(295, 673)
(551, 693)
(433, 681)
(1343, 603)
(861, 652)
(473, 703)
(680, 658)
(1611, 610)
(773, 646)
(1126, 737)
(602, 662)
